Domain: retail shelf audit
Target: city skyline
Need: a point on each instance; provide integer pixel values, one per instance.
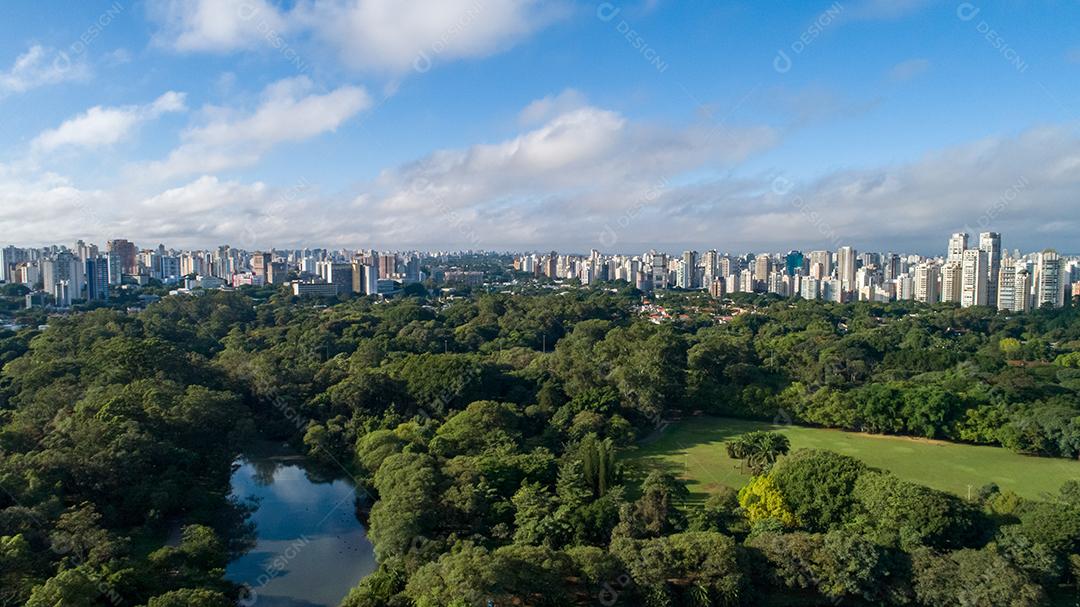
(267, 123)
(970, 273)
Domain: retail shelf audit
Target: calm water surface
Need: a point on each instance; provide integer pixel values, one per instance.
(311, 550)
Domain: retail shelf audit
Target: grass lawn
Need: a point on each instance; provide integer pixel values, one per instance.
(693, 449)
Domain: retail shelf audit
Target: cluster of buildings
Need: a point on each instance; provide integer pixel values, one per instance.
(971, 274)
(60, 275)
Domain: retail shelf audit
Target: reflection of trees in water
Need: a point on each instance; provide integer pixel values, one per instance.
(237, 527)
(263, 471)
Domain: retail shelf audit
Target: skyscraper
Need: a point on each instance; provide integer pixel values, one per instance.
(1022, 290)
(951, 281)
(891, 267)
(846, 268)
(388, 265)
(824, 260)
(1006, 285)
(927, 276)
(958, 243)
(127, 254)
(974, 278)
(990, 243)
(97, 278)
(709, 260)
(1049, 281)
(9, 257)
(689, 263)
(260, 265)
(793, 263)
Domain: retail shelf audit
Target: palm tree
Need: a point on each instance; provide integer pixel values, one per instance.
(760, 449)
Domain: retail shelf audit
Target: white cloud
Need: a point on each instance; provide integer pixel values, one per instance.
(397, 36)
(289, 112)
(582, 166)
(103, 126)
(38, 67)
(216, 25)
(380, 35)
(591, 177)
(637, 186)
(543, 109)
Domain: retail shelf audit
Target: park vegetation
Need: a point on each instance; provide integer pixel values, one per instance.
(490, 435)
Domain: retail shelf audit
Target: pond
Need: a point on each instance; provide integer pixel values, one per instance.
(310, 548)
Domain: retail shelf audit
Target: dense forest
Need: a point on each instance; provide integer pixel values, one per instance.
(490, 435)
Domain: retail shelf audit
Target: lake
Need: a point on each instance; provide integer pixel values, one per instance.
(310, 548)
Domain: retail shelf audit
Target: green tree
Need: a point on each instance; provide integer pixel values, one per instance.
(191, 597)
(818, 486)
(760, 449)
(972, 577)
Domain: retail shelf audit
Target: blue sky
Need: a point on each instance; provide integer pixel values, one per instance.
(514, 124)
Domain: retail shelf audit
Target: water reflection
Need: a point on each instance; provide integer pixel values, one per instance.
(310, 548)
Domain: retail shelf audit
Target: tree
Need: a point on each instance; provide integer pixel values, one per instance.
(762, 500)
(972, 577)
(818, 486)
(1010, 347)
(719, 513)
(406, 484)
(471, 575)
(191, 597)
(78, 587)
(656, 507)
(1054, 525)
(908, 515)
(695, 563)
(760, 449)
(837, 564)
(482, 426)
(534, 519)
(599, 465)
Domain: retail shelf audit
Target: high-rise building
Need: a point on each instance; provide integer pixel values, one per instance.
(990, 243)
(1006, 285)
(9, 258)
(823, 259)
(710, 262)
(762, 267)
(127, 254)
(1049, 280)
(905, 287)
(727, 266)
(794, 262)
(891, 267)
(716, 287)
(973, 291)
(1022, 290)
(777, 283)
(689, 263)
(927, 277)
(746, 282)
(97, 278)
(958, 243)
(952, 275)
(61, 292)
(260, 265)
(116, 268)
(387, 265)
(276, 273)
(846, 268)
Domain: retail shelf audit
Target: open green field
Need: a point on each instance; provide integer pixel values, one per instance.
(693, 449)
